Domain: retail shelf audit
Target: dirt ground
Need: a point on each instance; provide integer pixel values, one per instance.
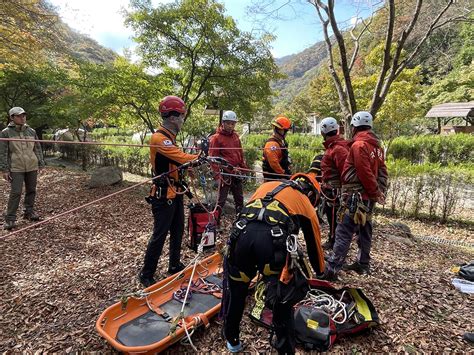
(56, 279)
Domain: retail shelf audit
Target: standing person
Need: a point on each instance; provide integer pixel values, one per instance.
(259, 241)
(276, 160)
(332, 164)
(20, 162)
(166, 196)
(364, 182)
(226, 144)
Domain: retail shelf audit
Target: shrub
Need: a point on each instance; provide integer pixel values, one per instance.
(451, 149)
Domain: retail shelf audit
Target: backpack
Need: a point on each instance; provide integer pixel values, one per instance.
(202, 224)
(315, 329)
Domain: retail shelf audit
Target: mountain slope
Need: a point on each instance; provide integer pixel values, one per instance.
(299, 69)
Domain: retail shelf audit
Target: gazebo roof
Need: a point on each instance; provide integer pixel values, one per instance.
(452, 109)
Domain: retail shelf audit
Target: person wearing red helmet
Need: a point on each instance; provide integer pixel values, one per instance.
(276, 161)
(166, 198)
(259, 241)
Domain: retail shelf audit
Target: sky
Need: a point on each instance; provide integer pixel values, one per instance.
(296, 27)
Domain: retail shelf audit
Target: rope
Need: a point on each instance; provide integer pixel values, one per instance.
(141, 145)
(319, 299)
(439, 240)
(183, 166)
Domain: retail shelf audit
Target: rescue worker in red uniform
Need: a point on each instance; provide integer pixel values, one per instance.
(226, 144)
(332, 164)
(276, 160)
(258, 241)
(364, 182)
(166, 198)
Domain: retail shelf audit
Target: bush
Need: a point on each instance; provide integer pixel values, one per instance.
(451, 149)
(428, 188)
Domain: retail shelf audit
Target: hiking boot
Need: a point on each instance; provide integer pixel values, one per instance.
(359, 268)
(146, 281)
(329, 276)
(175, 269)
(9, 225)
(31, 216)
(328, 245)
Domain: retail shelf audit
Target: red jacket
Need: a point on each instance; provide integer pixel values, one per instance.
(223, 139)
(332, 163)
(365, 168)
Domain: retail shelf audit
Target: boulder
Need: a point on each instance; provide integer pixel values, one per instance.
(105, 176)
(402, 230)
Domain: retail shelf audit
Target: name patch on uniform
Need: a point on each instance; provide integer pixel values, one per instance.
(167, 142)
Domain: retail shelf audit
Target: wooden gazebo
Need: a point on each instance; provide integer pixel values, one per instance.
(451, 110)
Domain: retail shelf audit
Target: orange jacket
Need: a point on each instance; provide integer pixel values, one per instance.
(275, 156)
(166, 156)
(299, 207)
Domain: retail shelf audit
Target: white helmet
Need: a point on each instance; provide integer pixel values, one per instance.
(362, 118)
(229, 116)
(329, 124)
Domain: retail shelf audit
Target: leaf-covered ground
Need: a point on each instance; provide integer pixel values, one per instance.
(56, 279)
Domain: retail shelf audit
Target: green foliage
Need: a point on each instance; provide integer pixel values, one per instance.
(429, 188)
(457, 86)
(36, 89)
(200, 49)
(445, 150)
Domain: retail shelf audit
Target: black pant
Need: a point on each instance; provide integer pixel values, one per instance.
(168, 215)
(253, 250)
(330, 209)
(233, 184)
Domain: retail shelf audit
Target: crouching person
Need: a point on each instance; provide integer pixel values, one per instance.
(259, 242)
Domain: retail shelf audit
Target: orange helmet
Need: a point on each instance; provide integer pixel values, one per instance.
(310, 186)
(282, 122)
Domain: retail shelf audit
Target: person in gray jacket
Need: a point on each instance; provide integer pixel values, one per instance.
(20, 162)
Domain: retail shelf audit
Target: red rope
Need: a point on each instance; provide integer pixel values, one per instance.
(134, 145)
(85, 205)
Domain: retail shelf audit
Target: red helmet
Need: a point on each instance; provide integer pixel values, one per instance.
(311, 186)
(172, 103)
(282, 122)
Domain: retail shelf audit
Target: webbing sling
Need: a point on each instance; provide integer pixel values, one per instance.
(269, 210)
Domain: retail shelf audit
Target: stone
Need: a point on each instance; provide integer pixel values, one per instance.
(105, 176)
(402, 230)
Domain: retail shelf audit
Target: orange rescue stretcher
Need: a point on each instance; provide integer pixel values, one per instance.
(151, 323)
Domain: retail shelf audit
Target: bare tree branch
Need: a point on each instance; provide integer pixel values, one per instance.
(337, 82)
(357, 39)
(386, 55)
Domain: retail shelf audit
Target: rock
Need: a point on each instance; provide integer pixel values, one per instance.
(105, 176)
(403, 240)
(402, 230)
